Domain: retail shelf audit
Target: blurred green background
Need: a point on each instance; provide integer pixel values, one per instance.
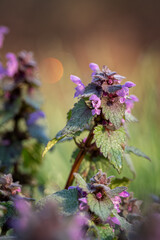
(65, 36)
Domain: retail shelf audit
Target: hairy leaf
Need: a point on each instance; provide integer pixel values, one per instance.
(113, 112)
(91, 89)
(130, 118)
(130, 164)
(136, 151)
(105, 232)
(102, 208)
(67, 201)
(123, 223)
(80, 181)
(81, 116)
(110, 144)
(119, 182)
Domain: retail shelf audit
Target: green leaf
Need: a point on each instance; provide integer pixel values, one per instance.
(110, 144)
(123, 223)
(91, 89)
(80, 181)
(50, 144)
(130, 164)
(136, 151)
(102, 208)
(130, 118)
(11, 109)
(10, 212)
(81, 116)
(119, 182)
(38, 132)
(105, 232)
(113, 112)
(67, 201)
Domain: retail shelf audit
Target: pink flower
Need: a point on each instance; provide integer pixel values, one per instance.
(116, 201)
(124, 194)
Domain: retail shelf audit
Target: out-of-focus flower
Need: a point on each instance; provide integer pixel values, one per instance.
(130, 102)
(83, 204)
(124, 194)
(7, 187)
(96, 103)
(3, 31)
(94, 67)
(80, 86)
(12, 64)
(33, 117)
(116, 201)
(2, 71)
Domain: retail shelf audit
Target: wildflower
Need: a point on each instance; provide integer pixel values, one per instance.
(112, 221)
(130, 102)
(3, 31)
(80, 86)
(12, 64)
(96, 103)
(129, 84)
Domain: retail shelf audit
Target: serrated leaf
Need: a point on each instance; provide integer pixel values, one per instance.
(80, 117)
(136, 151)
(102, 208)
(123, 223)
(91, 89)
(130, 164)
(105, 232)
(113, 112)
(119, 182)
(130, 118)
(67, 201)
(81, 183)
(110, 144)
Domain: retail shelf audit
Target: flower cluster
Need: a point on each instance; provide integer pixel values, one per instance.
(110, 83)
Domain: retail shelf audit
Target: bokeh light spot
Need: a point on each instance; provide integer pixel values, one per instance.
(51, 70)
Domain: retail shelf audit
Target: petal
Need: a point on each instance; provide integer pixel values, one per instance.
(134, 98)
(129, 84)
(75, 79)
(94, 67)
(124, 194)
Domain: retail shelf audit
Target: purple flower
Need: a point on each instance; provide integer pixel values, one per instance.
(33, 117)
(12, 64)
(124, 194)
(3, 31)
(112, 221)
(116, 201)
(94, 67)
(129, 84)
(83, 204)
(123, 92)
(96, 103)
(130, 102)
(80, 86)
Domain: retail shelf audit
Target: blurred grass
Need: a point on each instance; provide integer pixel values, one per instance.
(144, 134)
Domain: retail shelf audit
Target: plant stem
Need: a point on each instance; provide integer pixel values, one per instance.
(79, 159)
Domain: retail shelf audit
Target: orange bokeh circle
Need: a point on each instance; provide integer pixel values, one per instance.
(51, 70)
